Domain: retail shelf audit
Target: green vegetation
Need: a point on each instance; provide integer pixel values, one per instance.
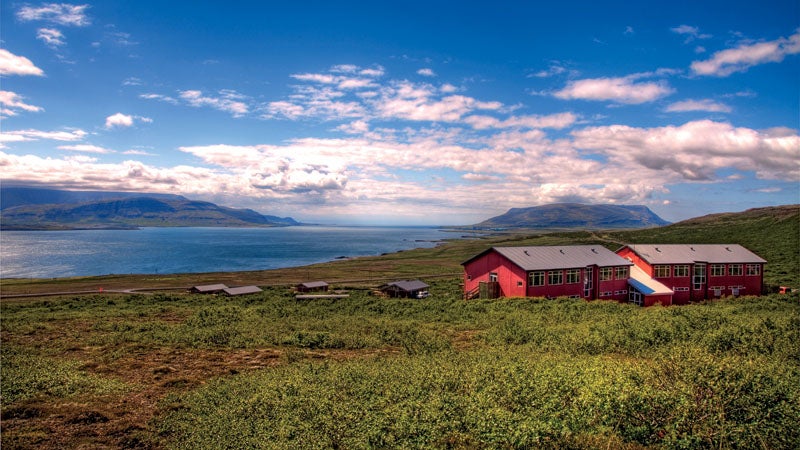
(368, 371)
(176, 370)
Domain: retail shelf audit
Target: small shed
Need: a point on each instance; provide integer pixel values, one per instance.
(312, 286)
(208, 289)
(406, 288)
(243, 290)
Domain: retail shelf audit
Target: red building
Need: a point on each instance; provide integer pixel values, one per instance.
(578, 271)
(697, 272)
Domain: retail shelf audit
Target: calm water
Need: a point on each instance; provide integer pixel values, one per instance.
(47, 254)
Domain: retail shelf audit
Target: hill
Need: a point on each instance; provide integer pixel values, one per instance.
(106, 210)
(575, 215)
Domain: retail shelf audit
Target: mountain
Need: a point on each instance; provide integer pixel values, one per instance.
(11, 196)
(575, 215)
(70, 210)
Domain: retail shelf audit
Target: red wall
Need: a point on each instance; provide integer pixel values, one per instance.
(509, 277)
(752, 283)
(508, 274)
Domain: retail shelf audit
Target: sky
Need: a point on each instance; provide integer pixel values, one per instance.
(408, 113)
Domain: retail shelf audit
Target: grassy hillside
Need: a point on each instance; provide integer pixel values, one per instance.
(267, 371)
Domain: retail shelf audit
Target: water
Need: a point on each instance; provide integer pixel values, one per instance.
(49, 254)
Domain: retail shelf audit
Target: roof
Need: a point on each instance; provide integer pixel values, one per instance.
(646, 285)
(409, 285)
(210, 288)
(242, 290)
(559, 257)
(314, 284)
(689, 253)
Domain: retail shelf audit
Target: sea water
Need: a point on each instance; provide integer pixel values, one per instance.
(49, 254)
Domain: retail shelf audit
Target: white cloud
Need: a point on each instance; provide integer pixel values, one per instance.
(159, 97)
(690, 32)
(741, 58)
(11, 102)
(620, 90)
(11, 64)
(32, 135)
(698, 105)
(556, 121)
(85, 148)
(60, 13)
(51, 37)
(119, 120)
(696, 150)
(228, 101)
(426, 72)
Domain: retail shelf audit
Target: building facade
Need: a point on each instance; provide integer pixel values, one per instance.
(576, 271)
(696, 272)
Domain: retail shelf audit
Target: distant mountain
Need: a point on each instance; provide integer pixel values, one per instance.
(11, 196)
(576, 215)
(54, 209)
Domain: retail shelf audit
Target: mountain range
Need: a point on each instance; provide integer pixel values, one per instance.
(51, 209)
(575, 215)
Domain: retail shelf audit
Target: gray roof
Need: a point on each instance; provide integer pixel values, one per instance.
(314, 284)
(562, 257)
(242, 290)
(210, 288)
(689, 253)
(409, 285)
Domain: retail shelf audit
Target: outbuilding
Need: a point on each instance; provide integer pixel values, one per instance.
(577, 271)
(406, 288)
(208, 289)
(242, 290)
(312, 286)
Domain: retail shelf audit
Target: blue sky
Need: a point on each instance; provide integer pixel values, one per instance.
(414, 113)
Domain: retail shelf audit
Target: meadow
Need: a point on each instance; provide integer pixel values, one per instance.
(170, 369)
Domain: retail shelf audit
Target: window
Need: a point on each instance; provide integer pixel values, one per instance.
(754, 269)
(680, 289)
(718, 270)
(606, 294)
(519, 283)
(493, 277)
(555, 277)
(536, 278)
(622, 273)
(681, 270)
(573, 276)
(605, 273)
(661, 271)
(622, 292)
(735, 269)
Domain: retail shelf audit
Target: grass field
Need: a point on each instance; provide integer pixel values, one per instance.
(176, 370)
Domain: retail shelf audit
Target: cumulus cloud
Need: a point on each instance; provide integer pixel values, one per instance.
(11, 64)
(59, 13)
(696, 150)
(707, 105)
(426, 72)
(120, 120)
(556, 121)
(626, 90)
(11, 102)
(726, 62)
